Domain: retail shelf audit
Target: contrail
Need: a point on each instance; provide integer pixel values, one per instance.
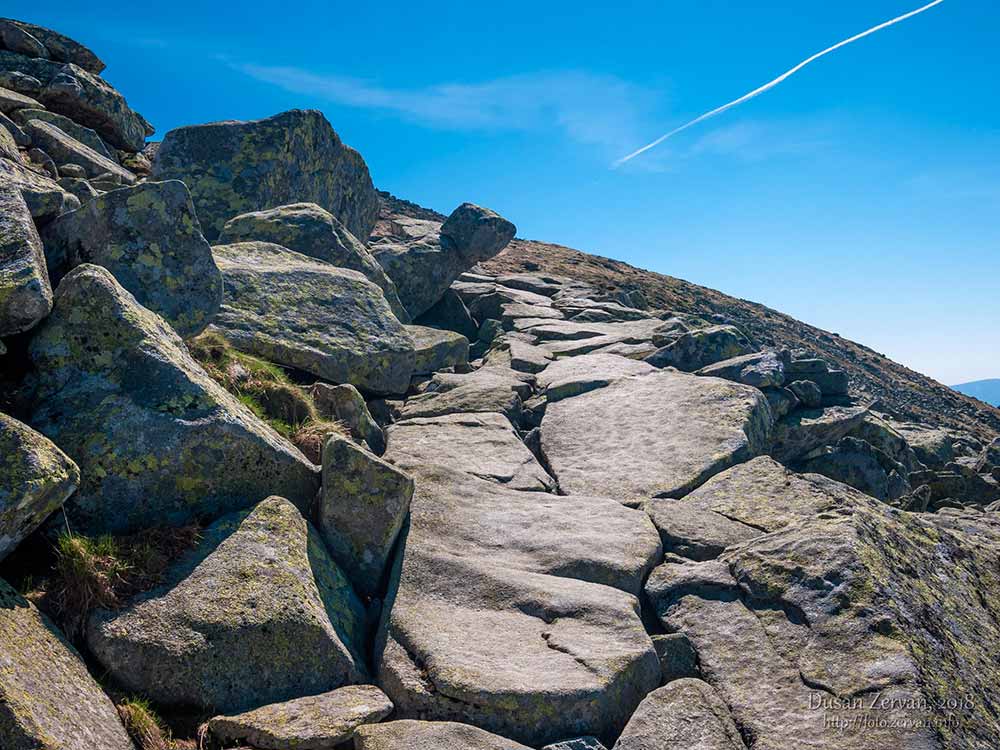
(776, 81)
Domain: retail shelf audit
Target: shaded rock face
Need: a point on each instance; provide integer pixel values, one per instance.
(658, 435)
(47, 697)
(35, 480)
(424, 257)
(316, 722)
(25, 294)
(149, 238)
(304, 313)
(429, 735)
(804, 430)
(43, 195)
(860, 465)
(257, 613)
(84, 135)
(345, 404)
(65, 149)
(59, 47)
(312, 230)
(235, 167)
(157, 441)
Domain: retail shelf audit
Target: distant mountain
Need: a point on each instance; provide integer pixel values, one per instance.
(984, 390)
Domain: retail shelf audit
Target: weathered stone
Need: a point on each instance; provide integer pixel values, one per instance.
(345, 404)
(18, 40)
(158, 442)
(989, 458)
(567, 338)
(235, 167)
(488, 389)
(8, 142)
(316, 722)
(25, 294)
(693, 350)
(860, 465)
(807, 392)
(312, 230)
(805, 430)
(433, 255)
(450, 313)
(686, 714)
(42, 160)
(47, 697)
(35, 480)
(148, 237)
(497, 616)
(526, 357)
(22, 83)
(678, 659)
(65, 149)
(43, 196)
(762, 369)
(782, 401)
(484, 445)
(429, 735)
(576, 375)
(361, 510)
(258, 597)
(302, 312)
(61, 48)
(436, 349)
(657, 435)
(577, 743)
(491, 301)
(11, 101)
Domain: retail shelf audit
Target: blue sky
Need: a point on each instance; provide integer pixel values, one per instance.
(862, 195)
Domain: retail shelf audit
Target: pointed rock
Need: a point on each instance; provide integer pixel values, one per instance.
(25, 294)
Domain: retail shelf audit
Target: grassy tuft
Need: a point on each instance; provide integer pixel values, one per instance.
(145, 728)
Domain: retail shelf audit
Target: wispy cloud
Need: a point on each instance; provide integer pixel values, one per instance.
(588, 108)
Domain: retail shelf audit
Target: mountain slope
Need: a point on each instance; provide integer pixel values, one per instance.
(987, 391)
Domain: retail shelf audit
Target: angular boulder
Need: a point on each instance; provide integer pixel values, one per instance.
(361, 510)
(257, 613)
(61, 48)
(429, 735)
(43, 195)
(425, 264)
(25, 294)
(761, 370)
(312, 230)
(576, 375)
(804, 430)
(657, 435)
(47, 697)
(35, 480)
(158, 442)
(235, 167)
(488, 389)
(65, 149)
(693, 350)
(437, 349)
(345, 404)
(84, 135)
(148, 237)
(316, 722)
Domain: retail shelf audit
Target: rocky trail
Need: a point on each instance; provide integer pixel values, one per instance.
(288, 463)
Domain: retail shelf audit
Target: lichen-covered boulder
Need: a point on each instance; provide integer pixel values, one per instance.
(436, 349)
(804, 430)
(11, 101)
(25, 294)
(35, 480)
(84, 97)
(84, 135)
(761, 370)
(158, 442)
(65, 149)
(315, 722)
(657, 435)
(692, 350)
(429, 735)
(305, 313)
(433, 255)
(148, 237)
(312, 230)
(47, 697)
(345, 404)
(361, 510)
(236, 167)
(257, 613)
(61, 48)
(43, 195)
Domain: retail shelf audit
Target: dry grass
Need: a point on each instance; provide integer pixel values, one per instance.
(145, 728)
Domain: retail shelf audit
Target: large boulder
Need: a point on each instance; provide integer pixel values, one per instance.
(47, 697)
(764, 369)
(692, 350)
(236, 167)
(84, 135)
(805, 430)
(361, 511)
(346, 405)
(148, 237)
(257, 613)
(61, 48)
(860, 465)
(25, 294)
(429, 259)
(488, 389)
(506, 610)
(429, 735)
(315, 722)
(304, 313)
(657, 435)
(65, 149)
(312, 230)
(35, 480)
(43, 195)
(437, 349)
(158, 442)
(84, 97)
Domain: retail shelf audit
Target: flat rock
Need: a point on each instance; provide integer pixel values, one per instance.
(148, 237)
(686, 714)
(65, 149)
(657, 435)
(804, 430)
(361, 510)
(25, 294)
(35, 480)
(257, 613)
(488, 389)
(312, 230)
(576, 375)
(316, 722)
(429, 735)
(526, 357)
(302, 312)
(762, 369)
(235, 167)
(84, 135)
(48, 697)
(437, 349)
(158, 442)
(11, 101)
(482, 444)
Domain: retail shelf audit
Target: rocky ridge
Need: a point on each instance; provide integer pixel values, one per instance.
(556, 503)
